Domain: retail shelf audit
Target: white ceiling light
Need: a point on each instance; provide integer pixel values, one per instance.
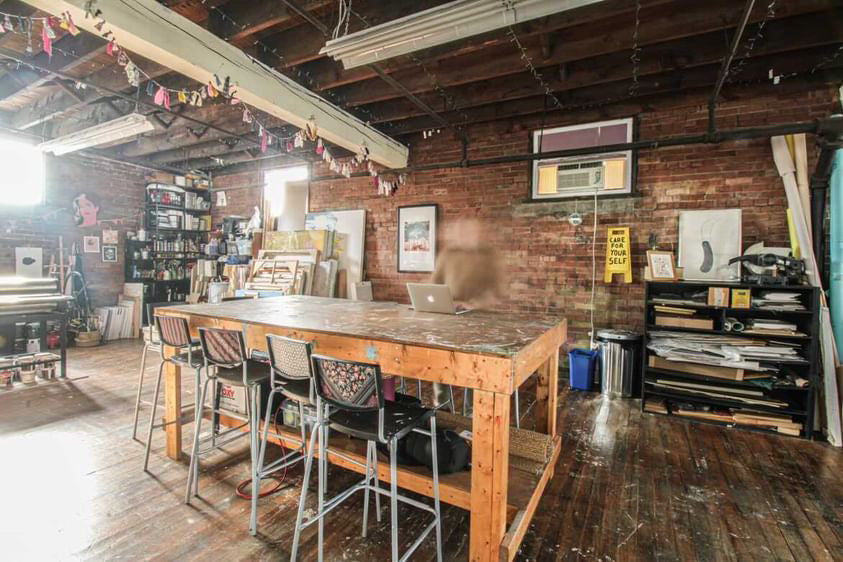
(439, 25)
(120, 128)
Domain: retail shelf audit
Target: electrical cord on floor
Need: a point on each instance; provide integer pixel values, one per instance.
(279, 479)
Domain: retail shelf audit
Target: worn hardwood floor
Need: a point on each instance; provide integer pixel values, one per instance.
(627, 487)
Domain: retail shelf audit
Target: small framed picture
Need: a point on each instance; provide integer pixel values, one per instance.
(417, 238)
(109, 236)
(109, 254)
(661, 266)
(91, 244)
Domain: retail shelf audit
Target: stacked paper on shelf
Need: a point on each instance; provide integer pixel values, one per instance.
(770, 327)
(778, 300)
(721, 350)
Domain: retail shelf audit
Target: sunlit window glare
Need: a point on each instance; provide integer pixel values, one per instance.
(23, 174)
(275, 180)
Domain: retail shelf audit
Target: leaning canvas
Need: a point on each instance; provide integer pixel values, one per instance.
(707, 241)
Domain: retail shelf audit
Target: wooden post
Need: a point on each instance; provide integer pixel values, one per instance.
(489, 474)
(547, 387)
(172, 399)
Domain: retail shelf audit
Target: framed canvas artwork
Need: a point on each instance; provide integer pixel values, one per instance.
(417, 238)
(109, 254)
(707, 241)
(91, 244)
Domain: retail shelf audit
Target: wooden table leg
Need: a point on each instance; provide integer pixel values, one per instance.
(489, 474)
(172, 410)
(547, 389)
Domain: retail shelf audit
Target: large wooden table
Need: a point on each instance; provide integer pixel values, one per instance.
(492, 353)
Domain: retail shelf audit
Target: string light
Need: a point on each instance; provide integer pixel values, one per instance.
(636, 50)
(528, 61)
(750, 44)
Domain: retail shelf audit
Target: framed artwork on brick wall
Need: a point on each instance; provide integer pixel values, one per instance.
(417, 238)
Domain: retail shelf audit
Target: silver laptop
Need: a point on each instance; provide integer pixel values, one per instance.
(429, 297)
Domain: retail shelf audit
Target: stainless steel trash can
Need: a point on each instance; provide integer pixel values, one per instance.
(620, 363)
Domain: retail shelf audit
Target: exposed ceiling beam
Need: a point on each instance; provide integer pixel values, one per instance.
(607, 36)
(250, 139)
(141, 25)
(617, 93)
(393, 83)
(70, 52)
(802, 33)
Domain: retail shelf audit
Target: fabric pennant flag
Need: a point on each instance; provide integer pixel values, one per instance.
(320, 147)
(167, 98)
(289, 146)
(47, 27)
(159, 96)
(98, 26)
(45, 39)
(264, 140)
(150, 88)
(182, 96)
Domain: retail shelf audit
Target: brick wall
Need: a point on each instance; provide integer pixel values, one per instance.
(118, 191)
(547, 260)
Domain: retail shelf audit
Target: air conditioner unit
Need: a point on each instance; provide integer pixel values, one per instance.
(582, 175)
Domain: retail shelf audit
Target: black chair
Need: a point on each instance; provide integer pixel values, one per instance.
(350, 401)
(225, 360)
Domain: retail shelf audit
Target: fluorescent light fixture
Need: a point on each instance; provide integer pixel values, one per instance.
(110, 131)
(439, 25)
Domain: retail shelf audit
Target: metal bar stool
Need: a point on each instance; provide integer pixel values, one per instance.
(225, 360)
(289, 360)
(152, 343)
(350, 401)
(173, 332)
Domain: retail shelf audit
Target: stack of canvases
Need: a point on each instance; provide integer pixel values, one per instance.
(291, 263)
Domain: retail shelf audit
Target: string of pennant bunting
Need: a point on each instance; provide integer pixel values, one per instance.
(51, 26)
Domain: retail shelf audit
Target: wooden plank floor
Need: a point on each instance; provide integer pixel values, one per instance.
(627, 487)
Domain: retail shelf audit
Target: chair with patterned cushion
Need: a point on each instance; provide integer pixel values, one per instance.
(226, 360)
(350, 401)
(172, 332)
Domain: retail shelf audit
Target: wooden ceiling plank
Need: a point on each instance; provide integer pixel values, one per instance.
(693, 79)
(70, 52)
(781, 36)
(574, 44)
(141, 25)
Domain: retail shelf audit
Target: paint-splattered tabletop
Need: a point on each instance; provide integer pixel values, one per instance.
(477, 331)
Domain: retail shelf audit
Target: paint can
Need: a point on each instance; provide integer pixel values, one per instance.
(7, 371)
(27, 370)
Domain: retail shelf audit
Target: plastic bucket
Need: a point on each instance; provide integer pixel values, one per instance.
(581, 365)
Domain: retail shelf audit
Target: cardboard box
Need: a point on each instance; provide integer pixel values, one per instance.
(232, 398)
(741, 298)
(718, 296)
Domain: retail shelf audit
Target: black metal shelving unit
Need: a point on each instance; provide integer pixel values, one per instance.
(147, 270)
(800, 400)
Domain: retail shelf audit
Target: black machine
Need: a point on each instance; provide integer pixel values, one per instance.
(782, 270)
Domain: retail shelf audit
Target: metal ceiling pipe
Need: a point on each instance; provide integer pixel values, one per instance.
(727, 63)
(830, 127)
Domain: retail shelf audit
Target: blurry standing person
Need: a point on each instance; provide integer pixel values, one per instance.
(470, 267)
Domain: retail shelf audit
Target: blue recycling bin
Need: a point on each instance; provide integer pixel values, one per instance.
(581, 365)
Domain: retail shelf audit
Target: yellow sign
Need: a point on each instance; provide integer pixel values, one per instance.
(618, 257)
